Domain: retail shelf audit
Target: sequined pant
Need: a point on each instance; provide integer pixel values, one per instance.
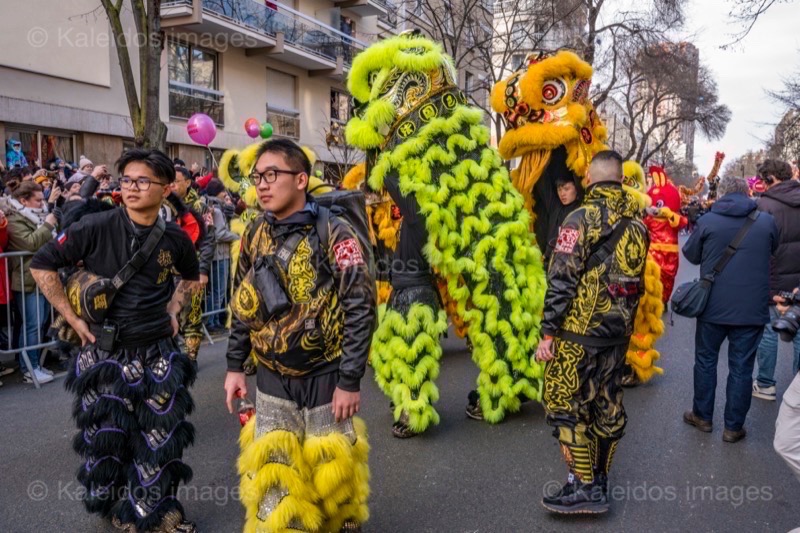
(301, 470)
(130, 408)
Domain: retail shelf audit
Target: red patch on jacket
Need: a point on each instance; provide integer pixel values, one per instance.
(567, 239)
(348, 253)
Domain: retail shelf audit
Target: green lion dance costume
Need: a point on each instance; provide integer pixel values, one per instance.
(552, 126)
(462, 220)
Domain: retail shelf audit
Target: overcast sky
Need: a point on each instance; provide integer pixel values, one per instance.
(745, 72)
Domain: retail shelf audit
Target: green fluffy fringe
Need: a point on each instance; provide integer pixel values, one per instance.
(405, 355)
(480, 243)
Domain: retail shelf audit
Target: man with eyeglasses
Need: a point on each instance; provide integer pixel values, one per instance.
(303, 463)
(130, 379)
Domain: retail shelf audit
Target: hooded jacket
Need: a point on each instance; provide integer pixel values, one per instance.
(782, 201)
(332, 294)
(597, 307)
(740, 293)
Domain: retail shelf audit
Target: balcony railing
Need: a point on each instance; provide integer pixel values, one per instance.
(185, 100)
(298, 30)
(284, 122)
(390, 18)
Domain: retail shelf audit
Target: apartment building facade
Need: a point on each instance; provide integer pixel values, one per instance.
(284, 62)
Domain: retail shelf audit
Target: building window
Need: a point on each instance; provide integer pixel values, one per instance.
(448, 17)
(40, 148)
(341, 108)
(194, 82)
(516, 61)
(469, 83)
(282, 110)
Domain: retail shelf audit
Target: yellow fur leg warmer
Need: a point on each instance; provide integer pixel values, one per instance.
(275, 483)
(340, 475)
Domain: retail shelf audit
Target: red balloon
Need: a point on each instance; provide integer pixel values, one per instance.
(252, 127)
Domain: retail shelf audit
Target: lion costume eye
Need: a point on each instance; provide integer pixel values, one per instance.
(553, 91)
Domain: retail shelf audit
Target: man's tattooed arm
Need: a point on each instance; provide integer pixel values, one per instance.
(52, 288)
(183, 296)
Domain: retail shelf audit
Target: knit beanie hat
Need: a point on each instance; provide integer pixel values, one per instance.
(83, 162)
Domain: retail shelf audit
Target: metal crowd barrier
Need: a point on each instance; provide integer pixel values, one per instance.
(212, 307)
(7, 348)
(16, 316)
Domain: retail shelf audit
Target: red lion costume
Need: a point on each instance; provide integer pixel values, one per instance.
(664, 224)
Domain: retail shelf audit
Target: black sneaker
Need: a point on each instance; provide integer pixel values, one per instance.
(474, 406)
(576, 497)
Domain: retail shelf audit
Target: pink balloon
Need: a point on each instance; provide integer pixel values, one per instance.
(252, 127)
(201, 129)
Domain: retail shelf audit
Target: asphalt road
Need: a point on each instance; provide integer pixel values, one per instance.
(461, 476)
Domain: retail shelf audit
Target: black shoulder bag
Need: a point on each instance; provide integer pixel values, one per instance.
(91, 295)
(690, 298)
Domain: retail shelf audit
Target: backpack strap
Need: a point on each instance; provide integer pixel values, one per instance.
(602, 252)
(323, 232)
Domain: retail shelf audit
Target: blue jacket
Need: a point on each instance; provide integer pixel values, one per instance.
(740, 294)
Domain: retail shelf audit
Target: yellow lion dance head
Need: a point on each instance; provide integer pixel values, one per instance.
(550, 122)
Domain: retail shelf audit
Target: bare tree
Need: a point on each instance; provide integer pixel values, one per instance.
(488, 39)
(609, 29)
(344, 155)
(747, 12)
(143, 102)
(666, 89)
(745, 165)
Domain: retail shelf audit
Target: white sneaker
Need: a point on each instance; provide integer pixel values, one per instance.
(46, 371)
(41, 376)
(765, 393)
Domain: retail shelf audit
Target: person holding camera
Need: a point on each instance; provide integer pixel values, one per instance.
(738, 302)
(782, 201)
(787, 426)
(305, 305)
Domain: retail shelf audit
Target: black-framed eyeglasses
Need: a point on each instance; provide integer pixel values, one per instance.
(142, 184)
(270, 175)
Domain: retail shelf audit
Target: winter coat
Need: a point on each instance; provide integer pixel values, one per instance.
(223, 235)
(332, 294)
(596, 307)
(782, 201)
(740, 293)
(25, 236)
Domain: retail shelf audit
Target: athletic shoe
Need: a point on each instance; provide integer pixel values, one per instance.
(46, 371)
(4, 370)
(764, 393)
(577, 498)
(474, 406)
(41, 376)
